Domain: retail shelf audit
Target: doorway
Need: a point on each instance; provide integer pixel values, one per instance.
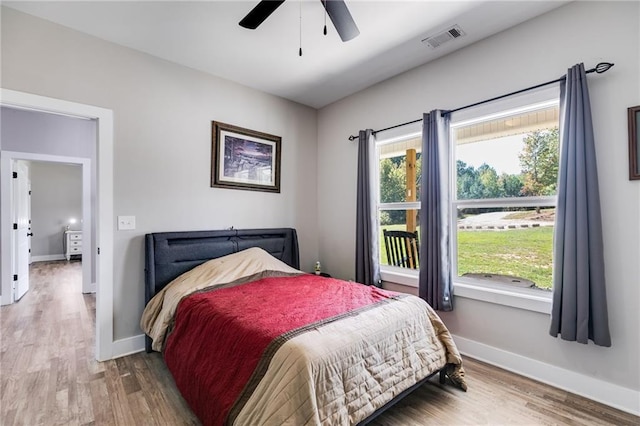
(56, 187)
(104, 202)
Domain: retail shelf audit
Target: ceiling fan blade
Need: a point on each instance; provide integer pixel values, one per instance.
(259, 13)
(341, 18)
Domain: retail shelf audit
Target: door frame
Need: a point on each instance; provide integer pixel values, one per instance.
(87, 213)
(104, 205)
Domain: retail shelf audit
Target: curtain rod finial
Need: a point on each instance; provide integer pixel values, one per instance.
(352, 138)
(603, 67)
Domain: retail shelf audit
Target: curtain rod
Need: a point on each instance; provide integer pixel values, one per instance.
(600, 68)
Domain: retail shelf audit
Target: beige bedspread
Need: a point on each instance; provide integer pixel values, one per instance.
(342, 372)
(335, 374)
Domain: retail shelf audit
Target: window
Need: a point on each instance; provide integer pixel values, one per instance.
(399, 172)
(505, 174)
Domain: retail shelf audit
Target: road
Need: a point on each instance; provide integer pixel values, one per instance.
(496, 220)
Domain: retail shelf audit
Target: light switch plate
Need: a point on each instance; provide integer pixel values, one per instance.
(126, 223)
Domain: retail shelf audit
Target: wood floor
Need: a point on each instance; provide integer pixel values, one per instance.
(48, 376)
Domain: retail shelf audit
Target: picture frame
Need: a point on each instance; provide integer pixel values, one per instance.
(634, 139)
(244, 159)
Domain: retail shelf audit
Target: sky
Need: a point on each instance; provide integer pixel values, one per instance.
(501, 154)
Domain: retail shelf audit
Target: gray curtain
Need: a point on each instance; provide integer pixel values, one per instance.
(435, 282)
(579, 309)
(367, 253)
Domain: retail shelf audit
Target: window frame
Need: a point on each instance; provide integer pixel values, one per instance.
(527, 299)
(391, 273)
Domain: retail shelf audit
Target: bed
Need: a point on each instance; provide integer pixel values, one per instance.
(251, 339)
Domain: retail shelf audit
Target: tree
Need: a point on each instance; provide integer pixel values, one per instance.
(393, 186)
(392, 181)
(469, 185)
(539, 162)
(484, 182)
(510, 185)
(489, 180)
(393, 176)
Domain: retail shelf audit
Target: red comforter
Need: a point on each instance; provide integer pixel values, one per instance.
(222, 339)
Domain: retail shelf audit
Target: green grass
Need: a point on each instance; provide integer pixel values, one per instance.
(525, 253)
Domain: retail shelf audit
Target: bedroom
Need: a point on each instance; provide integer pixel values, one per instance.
(162, 114)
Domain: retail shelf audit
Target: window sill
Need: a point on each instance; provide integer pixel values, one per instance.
(400, 276)
(530, 300)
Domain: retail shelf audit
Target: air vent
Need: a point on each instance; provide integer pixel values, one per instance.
(443, 37)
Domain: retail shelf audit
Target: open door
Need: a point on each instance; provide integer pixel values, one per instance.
(30, 234)
(21, 229)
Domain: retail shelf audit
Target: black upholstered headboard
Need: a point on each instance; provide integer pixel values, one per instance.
(170, 254)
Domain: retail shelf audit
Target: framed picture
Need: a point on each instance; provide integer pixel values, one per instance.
(634, 140)
(244, 159)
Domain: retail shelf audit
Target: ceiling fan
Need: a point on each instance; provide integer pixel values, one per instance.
(336, 9)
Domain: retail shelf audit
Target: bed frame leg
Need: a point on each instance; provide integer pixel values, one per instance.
(147, 344)
(443, 375)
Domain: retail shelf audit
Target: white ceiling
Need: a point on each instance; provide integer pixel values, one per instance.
(205, 35)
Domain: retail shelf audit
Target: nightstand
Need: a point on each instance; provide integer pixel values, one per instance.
(72, 244)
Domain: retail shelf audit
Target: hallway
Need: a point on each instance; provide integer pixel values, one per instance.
(47, 347)
(48, 371)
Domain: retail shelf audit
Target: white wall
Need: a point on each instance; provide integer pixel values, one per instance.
(56, 196)
(162, 143)
(42, 133)
(536, 51)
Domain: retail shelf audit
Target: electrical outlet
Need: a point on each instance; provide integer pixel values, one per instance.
(126, 223)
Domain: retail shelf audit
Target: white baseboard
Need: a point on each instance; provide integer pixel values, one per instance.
(607, 393)
(48, 257)
(610, 394)
(92, 289)
(128, 346)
